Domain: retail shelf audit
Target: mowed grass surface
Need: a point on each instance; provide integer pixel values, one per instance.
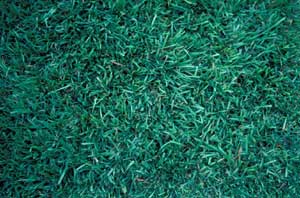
(149, 98)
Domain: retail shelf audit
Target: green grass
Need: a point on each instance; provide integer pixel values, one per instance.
(177, 98)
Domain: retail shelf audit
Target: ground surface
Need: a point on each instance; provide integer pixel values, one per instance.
(149, 98)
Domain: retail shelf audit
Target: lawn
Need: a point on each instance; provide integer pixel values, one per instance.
(159, 98)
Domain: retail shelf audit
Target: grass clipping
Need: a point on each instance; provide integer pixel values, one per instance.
(149, 98)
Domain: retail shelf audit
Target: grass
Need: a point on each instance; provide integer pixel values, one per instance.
(177, 98)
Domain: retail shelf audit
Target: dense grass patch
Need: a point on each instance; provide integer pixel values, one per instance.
(177, 98)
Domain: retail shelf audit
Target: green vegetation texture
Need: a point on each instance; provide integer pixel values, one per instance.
(161, 98)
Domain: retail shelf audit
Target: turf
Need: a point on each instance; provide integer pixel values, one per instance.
(162, 98)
